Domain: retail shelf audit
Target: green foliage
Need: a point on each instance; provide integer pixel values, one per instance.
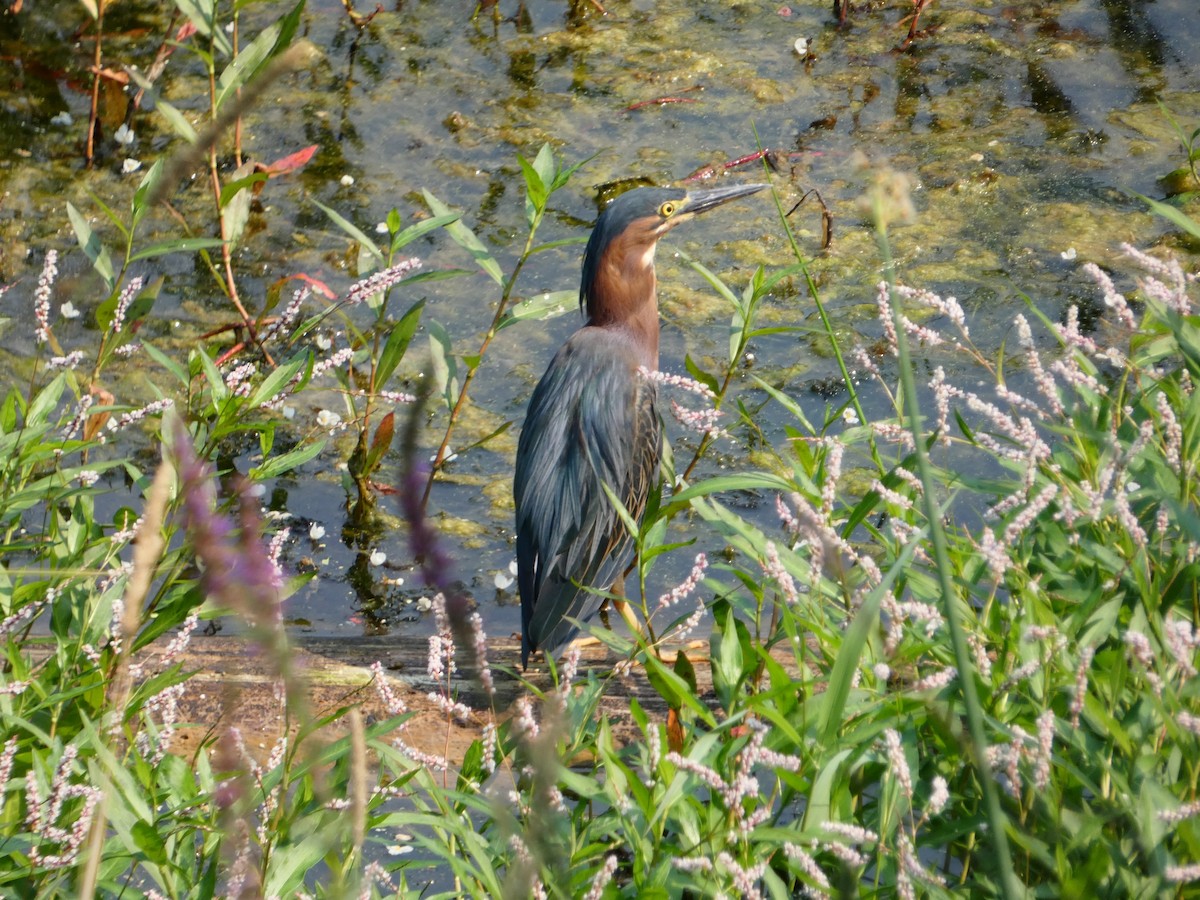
(1183, 184)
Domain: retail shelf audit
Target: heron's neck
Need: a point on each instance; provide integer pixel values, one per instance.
(624, 298)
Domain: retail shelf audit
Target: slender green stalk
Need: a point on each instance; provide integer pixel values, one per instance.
(997, 821)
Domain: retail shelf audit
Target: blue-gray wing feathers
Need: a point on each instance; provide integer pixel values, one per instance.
(591, 420)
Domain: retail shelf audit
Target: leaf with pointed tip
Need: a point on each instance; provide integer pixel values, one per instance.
(465, 238)
(255, 56)
(540, 308)
(91, 245)
(216, 384)
(536, 192)
(235, 212)
(364, 242)
(167, 362)
(233, 188)
(381, 443)
(280, 377)
(179, 245)
(417, 229)
(445, 367)
(202, 14)
(397, 343)
(286, 462)
(705, 378)
(1176, 217)
(562, 176)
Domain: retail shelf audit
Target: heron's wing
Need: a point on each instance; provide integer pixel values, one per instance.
(592, 420)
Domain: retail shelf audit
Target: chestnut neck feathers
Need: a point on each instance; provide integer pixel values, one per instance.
(622, 292)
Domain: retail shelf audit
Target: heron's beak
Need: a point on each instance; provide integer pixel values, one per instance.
(698, 202)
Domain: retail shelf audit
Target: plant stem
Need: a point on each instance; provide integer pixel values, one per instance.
(501, 308)
(94, 112)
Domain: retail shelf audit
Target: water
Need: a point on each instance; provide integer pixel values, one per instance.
(1027, 129)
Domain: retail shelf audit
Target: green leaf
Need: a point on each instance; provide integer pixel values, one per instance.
(418, 229)
(167, 362)
(285, 462)
(718, 285)
(545, 167)
(216, 384)
(148, 840)
(562, 176)
(235, 212)
(535, 191)
(465, 238)
(563, 242)
(266, 440)
(255, 56)
(110, 214)
(833, 700)
(787, 403)
(674, 690)
(705, 378)
(90, 243)
(8, 411)
(230, 190)
(1175, 216)
(726, 662)
(541, 308)
(179, 245)
(45, 401)
(622, 513)
(397, 343)
(445, 367)
(684, 669)
(487, 437)
(175, 119)
(364, 242)
(279, 379)
(203, 14)
(747, 481)
(144, 189)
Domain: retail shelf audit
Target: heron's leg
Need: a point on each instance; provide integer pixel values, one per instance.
(636, 627)
(626, 612)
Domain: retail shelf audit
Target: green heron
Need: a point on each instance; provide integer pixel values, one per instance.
(593, 421)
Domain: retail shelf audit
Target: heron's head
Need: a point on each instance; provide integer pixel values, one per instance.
(618, 265)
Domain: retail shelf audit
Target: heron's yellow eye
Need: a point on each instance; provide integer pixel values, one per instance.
(667, 210)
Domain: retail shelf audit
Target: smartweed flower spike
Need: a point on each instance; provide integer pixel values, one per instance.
(126, 298)
(41, 297)
(684, 589)
(379, 282)
(44, 822)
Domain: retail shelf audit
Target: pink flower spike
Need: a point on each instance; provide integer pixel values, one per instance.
(380, 281)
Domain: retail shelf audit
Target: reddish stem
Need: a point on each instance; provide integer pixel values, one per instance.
(660, 101)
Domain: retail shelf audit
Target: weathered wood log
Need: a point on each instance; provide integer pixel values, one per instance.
(234, 683)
